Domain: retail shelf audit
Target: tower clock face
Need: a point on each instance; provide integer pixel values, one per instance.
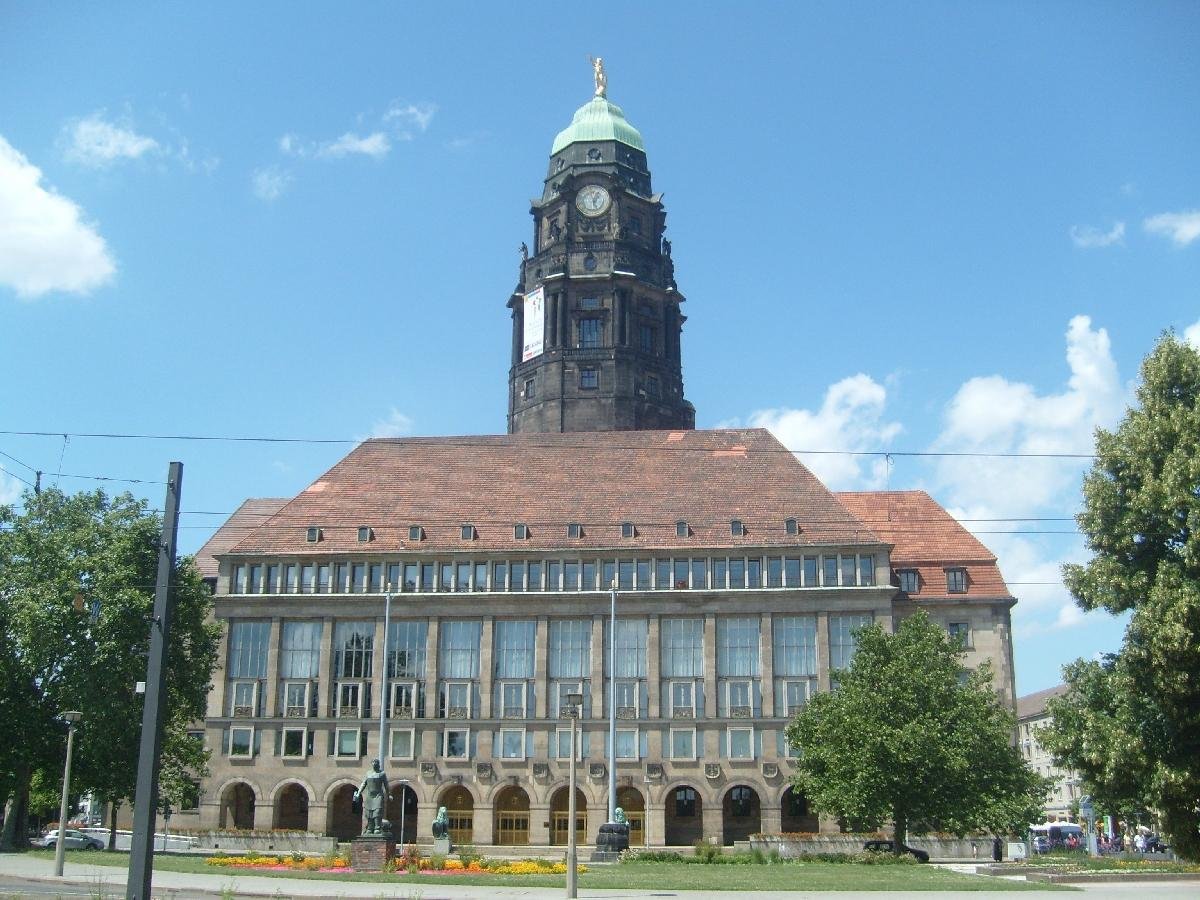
(593, 200)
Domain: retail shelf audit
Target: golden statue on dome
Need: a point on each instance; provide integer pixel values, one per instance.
(599, 76)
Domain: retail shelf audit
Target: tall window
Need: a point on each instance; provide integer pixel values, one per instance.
(589, 333)
(300, 650)
(631, 664)
(737, 665)
(514, 649)
(406, 649)
(569, 665)
(353, 652)
(795, 646)
(842, 642)
(458, 648)
(248, 649)
(682, 648)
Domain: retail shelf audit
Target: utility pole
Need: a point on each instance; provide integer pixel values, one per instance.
(141, 855)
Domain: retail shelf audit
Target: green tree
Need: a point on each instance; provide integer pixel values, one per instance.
(1131, 724)
(77, 580)
(906, 738)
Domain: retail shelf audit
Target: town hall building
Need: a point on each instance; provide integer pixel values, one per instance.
(740, 579)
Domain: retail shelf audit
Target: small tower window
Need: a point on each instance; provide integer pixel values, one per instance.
(521, 531)
(574, 530)
(589, 334)
(737, 529)
(627, 530)
(313, 534)
(589, 378)
(681, 529)
(468, 532)
(528, 392)
(416, 533)
(365, 534)
(589, 303)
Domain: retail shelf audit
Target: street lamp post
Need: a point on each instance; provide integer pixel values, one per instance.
(403, 782)
(385, 700)
(60, 845)
(612, 705)
(574, 702)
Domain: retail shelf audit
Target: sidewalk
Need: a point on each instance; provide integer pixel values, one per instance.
(109, 881)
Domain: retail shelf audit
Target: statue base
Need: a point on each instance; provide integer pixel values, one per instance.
(613, 838)
(441, 846)
(370, 852)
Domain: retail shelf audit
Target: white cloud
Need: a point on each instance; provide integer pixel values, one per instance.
(269, 182)
(1181, 227)
(407, 118)
(850, 418)
(994, 415)
(44, 243)
(395, 424)
(1191, 334)
(1089, 237)
(95, 141)
(375, 145)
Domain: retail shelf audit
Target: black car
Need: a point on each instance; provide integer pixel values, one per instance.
(886, 847)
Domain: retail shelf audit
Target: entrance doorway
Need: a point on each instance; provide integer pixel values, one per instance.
(633, 804)
(512, 817)
(560, 817)
(741, 814)
(460, 811)
(684, 825)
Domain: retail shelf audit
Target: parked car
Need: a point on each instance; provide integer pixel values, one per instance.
(72, 840)
(886, 847)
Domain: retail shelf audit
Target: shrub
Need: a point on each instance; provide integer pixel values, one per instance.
(649, 856)
(468, 854)
(437, 862)
(706, 852)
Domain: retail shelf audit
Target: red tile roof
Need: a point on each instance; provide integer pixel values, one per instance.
(597, 479)
(1035, 704)
(247, 517)
(927, 538)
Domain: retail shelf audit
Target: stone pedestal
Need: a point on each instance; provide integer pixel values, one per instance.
(441, 846)
(369, 852)
(610, 841)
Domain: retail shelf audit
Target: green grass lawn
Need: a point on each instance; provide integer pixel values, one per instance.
(814, 876)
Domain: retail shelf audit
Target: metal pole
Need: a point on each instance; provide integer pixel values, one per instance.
(384, 700)
(60, 845)
(403, 804)
(572, 874)
(141, 853)
(612, 706)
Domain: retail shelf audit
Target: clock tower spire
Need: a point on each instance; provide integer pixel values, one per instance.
(596, 312)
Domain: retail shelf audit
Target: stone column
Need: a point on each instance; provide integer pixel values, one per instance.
(539, 823)
(598, 665)
(767, 668)
(823, 651)
(711, 701)
(431, 670)
(711, 818)
(216, 698)
(541, 683)
(325, 677)
(654, 825)
(486, 668)
(653, 674)
(771, 816)
(270, 704)
(485, 824)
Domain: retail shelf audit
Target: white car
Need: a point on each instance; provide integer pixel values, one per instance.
(72, 840)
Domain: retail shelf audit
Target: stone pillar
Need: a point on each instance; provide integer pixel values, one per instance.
(771, 816)
(325, 705)
(767, 658)
(599, 662)
(711, 819)
(654, 825)
(216, 697)
(541, 683)
(711, 701)
(431, 669)
(270, 704)
(823, 651)
(539, 823)
(485, 824)
(486, 668)
(653, 675)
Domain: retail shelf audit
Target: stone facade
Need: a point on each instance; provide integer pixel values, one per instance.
(1032, 718)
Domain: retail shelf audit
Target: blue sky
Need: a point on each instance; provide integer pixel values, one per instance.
(900, 227)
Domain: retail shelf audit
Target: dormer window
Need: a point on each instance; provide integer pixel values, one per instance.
(681, 529)
(521, 531)
(910, 580)
(790, 526)
(313, 534)
(956, 581)
(365, 534)
(627, 530)
(416, 533)
(574, 530)
(737, 529)
(468, 533)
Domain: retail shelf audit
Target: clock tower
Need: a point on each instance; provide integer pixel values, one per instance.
(596, 313)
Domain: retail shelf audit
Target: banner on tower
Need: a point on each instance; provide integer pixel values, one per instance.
(535, 325)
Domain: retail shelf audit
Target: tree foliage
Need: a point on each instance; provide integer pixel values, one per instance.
(1131, 725)
(77, 580)
(904, 738)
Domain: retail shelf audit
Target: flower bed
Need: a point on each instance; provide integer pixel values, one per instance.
(403, 865)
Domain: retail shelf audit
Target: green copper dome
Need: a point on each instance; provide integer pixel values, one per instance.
(598, 120)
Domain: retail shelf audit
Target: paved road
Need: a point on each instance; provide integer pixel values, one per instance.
(27, 876)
